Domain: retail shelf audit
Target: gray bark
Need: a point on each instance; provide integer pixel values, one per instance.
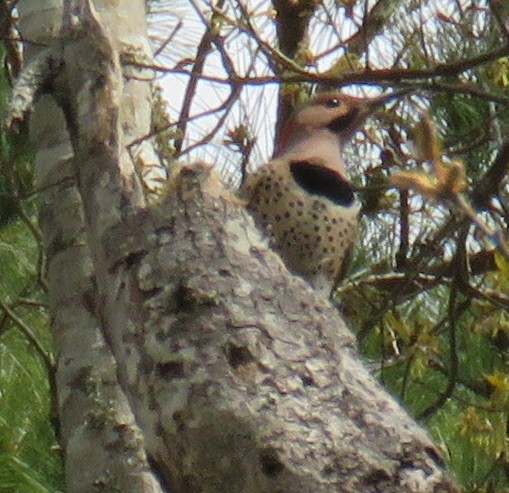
(246, 379)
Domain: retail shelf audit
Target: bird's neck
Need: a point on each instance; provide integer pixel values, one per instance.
(319, 146)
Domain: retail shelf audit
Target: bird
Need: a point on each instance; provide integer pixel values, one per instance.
(302, 199)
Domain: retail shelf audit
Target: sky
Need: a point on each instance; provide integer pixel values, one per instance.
(184, 21)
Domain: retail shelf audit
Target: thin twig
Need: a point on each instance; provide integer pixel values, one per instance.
(29, 334)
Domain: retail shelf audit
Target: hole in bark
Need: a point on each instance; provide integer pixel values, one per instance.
(238, 356)
(435, 457)
(170, 369)
(133, 259)
(307, 381)
(150, 293)
(183, 297)
(271, 465)
(407, 464)
(178, 417)
(189, 299)
(376, 477)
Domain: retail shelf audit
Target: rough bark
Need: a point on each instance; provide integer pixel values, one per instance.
(102, 445)
(248, 380)
(239, 375)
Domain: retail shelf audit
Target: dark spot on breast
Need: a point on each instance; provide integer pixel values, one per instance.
(317, 180)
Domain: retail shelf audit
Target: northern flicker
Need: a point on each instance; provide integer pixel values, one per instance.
(303, 199)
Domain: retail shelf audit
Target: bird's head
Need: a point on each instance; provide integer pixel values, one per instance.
(311, 143)
(328, 114)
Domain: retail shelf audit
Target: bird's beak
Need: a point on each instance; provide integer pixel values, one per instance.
(375, 103)
(371, 106)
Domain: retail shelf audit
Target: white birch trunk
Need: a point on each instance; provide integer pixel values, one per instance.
(102, 445)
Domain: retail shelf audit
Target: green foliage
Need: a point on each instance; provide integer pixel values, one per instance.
(164, 134)
(29, 459)
(423, 350)
(15, 160)
(434, 326)
(416, 359)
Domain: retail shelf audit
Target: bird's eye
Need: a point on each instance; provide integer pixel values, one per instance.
(332, 103)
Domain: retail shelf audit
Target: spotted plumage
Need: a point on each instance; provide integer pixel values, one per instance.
(312, 233)
(302, 199)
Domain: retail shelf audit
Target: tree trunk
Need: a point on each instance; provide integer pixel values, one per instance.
(239, 376)
(102, 444)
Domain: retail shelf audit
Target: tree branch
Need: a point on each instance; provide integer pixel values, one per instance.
(490, 183)
(392, 75)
